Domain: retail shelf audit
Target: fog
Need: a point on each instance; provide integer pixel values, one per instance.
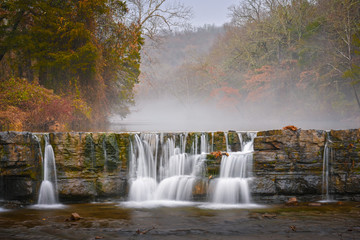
(166, 114)
(175, 94)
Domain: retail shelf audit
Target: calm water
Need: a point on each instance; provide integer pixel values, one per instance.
(184, 221)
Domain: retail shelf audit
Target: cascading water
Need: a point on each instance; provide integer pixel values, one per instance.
(203, 144)
(232, 186)
(105, 154)
(48, 188)
(142, 170)
(228, 149)
(162, 172)
(328, 157)
(173, 178)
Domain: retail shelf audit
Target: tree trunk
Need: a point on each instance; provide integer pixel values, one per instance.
(356, 96)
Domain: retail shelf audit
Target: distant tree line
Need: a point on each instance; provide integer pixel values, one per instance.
(281, 58)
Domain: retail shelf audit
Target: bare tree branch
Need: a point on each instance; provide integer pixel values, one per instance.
(155, 16)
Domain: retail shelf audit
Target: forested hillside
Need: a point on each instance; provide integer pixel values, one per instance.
(65, 64)
(285, 61)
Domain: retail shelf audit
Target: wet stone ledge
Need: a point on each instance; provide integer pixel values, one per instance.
(93, 166)
(290, 163)
(90, 166)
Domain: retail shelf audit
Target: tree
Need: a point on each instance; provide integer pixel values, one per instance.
(342, 25)
(77, 48)
(156, 16)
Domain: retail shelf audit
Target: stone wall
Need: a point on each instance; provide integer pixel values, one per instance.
(94, 166)
(20, 166)
(290, 163)
(90, 166)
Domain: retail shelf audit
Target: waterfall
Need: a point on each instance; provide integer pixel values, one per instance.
(173, 178)
(183, 138)
(142, 169)
(212, 142)
(203, 144)
(161, 171)
(228, 149)
(180, 177)
(328, 157)
(241, 141)
(48, 190)
(105, 154)
(232, 186)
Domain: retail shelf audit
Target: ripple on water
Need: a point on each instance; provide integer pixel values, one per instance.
(156, 204)
(219, 206)
(48, 206)
(3, 210)
(175, 204)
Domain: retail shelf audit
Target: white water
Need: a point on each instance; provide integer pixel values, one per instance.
(163, 174)
(3, 209)
(142, 170)
(48, 189)
(328, 157)
(232, 187)
(176, 174)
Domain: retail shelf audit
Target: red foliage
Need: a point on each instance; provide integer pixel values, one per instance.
(28, 106)
(55, 111)
(258, 82)
(290, 127)
(306, 78)
(226, 96)
(271, 81)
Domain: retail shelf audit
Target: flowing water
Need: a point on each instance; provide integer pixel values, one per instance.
(232, 187)
(328, 157)
(161, 172)
(48, 196)
(162, 176)
(110, 221)
(168, 176)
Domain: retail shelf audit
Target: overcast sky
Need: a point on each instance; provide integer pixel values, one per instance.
(210, 11)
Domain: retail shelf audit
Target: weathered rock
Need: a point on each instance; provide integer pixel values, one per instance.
(19, 166)
(292, 202)
(263, 186)
(75, 217)
(95, 165)
(314, 204)
(200, 189)
(292, 160)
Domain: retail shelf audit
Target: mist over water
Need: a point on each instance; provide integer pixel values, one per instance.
(184, 87)
(169, 114)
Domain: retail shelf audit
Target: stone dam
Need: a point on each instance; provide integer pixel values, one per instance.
(95, 166)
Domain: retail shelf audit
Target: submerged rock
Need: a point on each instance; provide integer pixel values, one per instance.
(75, 217)
(292, 202)
(314, 204)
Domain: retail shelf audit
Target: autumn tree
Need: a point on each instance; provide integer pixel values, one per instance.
(82, 49)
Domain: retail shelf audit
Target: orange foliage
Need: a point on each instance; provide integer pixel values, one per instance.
(270, 81)
(226, 96)
(12, 118)
(290, 127)
(216, 154)
(306, 78)
(28, 106)
(258, 82)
